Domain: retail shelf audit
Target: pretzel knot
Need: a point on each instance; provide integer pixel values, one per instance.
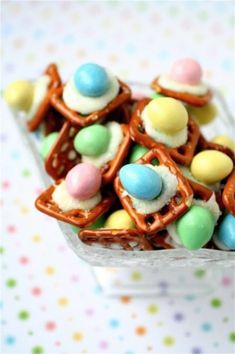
(63, 156)
(152, 223)
(228, 195)
(77, 217)
(45, 106)
(182, 155)
(186, 97)
(77, 119)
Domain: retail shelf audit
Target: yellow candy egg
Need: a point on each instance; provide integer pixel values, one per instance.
(120, 219)
(225, 141)
(211, 166)
(167, 115)
(19, 95)
(203, 115)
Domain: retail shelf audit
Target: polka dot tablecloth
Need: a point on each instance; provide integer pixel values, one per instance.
(51, 301)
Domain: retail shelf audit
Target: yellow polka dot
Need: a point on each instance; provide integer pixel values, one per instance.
(36, 238)
(152, 309)
(136, 276)
(77, 336)
(24, 210)
(50, 270)
(168, 341)
(63, 301)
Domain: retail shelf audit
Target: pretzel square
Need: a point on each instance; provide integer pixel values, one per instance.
(129, 240)
(77, 119)
(182, 154)
(63, 156)
(154, 222)
(161, 240)
(186, 97)
(228, 195)
(204, 144)
(77, 217)
(53, 122)
(45, 106)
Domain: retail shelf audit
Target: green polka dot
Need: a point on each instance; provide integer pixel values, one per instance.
(152, 309)
(199, 273)
(11, 283)
(232, 336)
(136, 276)
(2, 250)
(30, 333)
(23, 315)
(26, 172)
(216, 303)
(168, 341)
(37, 350)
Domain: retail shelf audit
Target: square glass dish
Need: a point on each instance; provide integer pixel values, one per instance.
(160, 259)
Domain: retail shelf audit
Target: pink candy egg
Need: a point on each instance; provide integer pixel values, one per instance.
(186, 71)
(83, 181)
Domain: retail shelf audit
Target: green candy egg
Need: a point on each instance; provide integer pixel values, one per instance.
(156, 95)
(92, 140)
(47, 144)
(195, 227)
(99, 223)
(137, 152)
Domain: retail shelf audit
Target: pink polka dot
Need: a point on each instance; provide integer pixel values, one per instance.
(103, 344)
(57, 343)
(5, 184)
(36, 291)
(89, 312)
(226, 281)
(75, 278)
(11, 229)
(23, 260)
(50, 326)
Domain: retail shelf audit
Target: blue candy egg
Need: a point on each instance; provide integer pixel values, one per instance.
(91, 80)
(226, 232)
(140, 181)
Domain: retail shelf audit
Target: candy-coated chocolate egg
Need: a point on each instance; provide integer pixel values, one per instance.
(140, 181)
(92, 140)
(47, 144)
(226, 232)
(137, 152)
(225, 141)
(83, 181)
(91, 80)
(167, 115)
(120, 219)
(203, 115)
(186, 71)
(19, 95)
(195, 228)
(211, 166)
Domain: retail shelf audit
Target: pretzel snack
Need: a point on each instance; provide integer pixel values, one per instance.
(228, 195)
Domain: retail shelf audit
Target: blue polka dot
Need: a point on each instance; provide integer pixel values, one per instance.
(189, 297)
(114, 323)
(98, 290)
(69, 39)
(206, 327)
(227, 64)
(7, 29)
(129, 352)
(38, 34)
(10, 340)
(15, 155)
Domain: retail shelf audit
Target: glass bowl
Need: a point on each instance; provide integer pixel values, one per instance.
(159, 259)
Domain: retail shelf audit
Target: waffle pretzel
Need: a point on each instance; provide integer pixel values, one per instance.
(160, 240)
(129, 240)
(182, 154)
(152, 223)
(200, 191)
(228, 195)
(77, 217)
(45, 106)
(77, 119)
(204, 144)
(53, 122)
(63, 156)
(186, 97)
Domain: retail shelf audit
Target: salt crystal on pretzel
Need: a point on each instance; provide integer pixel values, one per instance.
(179, 203)
(182, 154)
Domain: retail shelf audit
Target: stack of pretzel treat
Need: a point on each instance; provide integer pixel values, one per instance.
(132, 174)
